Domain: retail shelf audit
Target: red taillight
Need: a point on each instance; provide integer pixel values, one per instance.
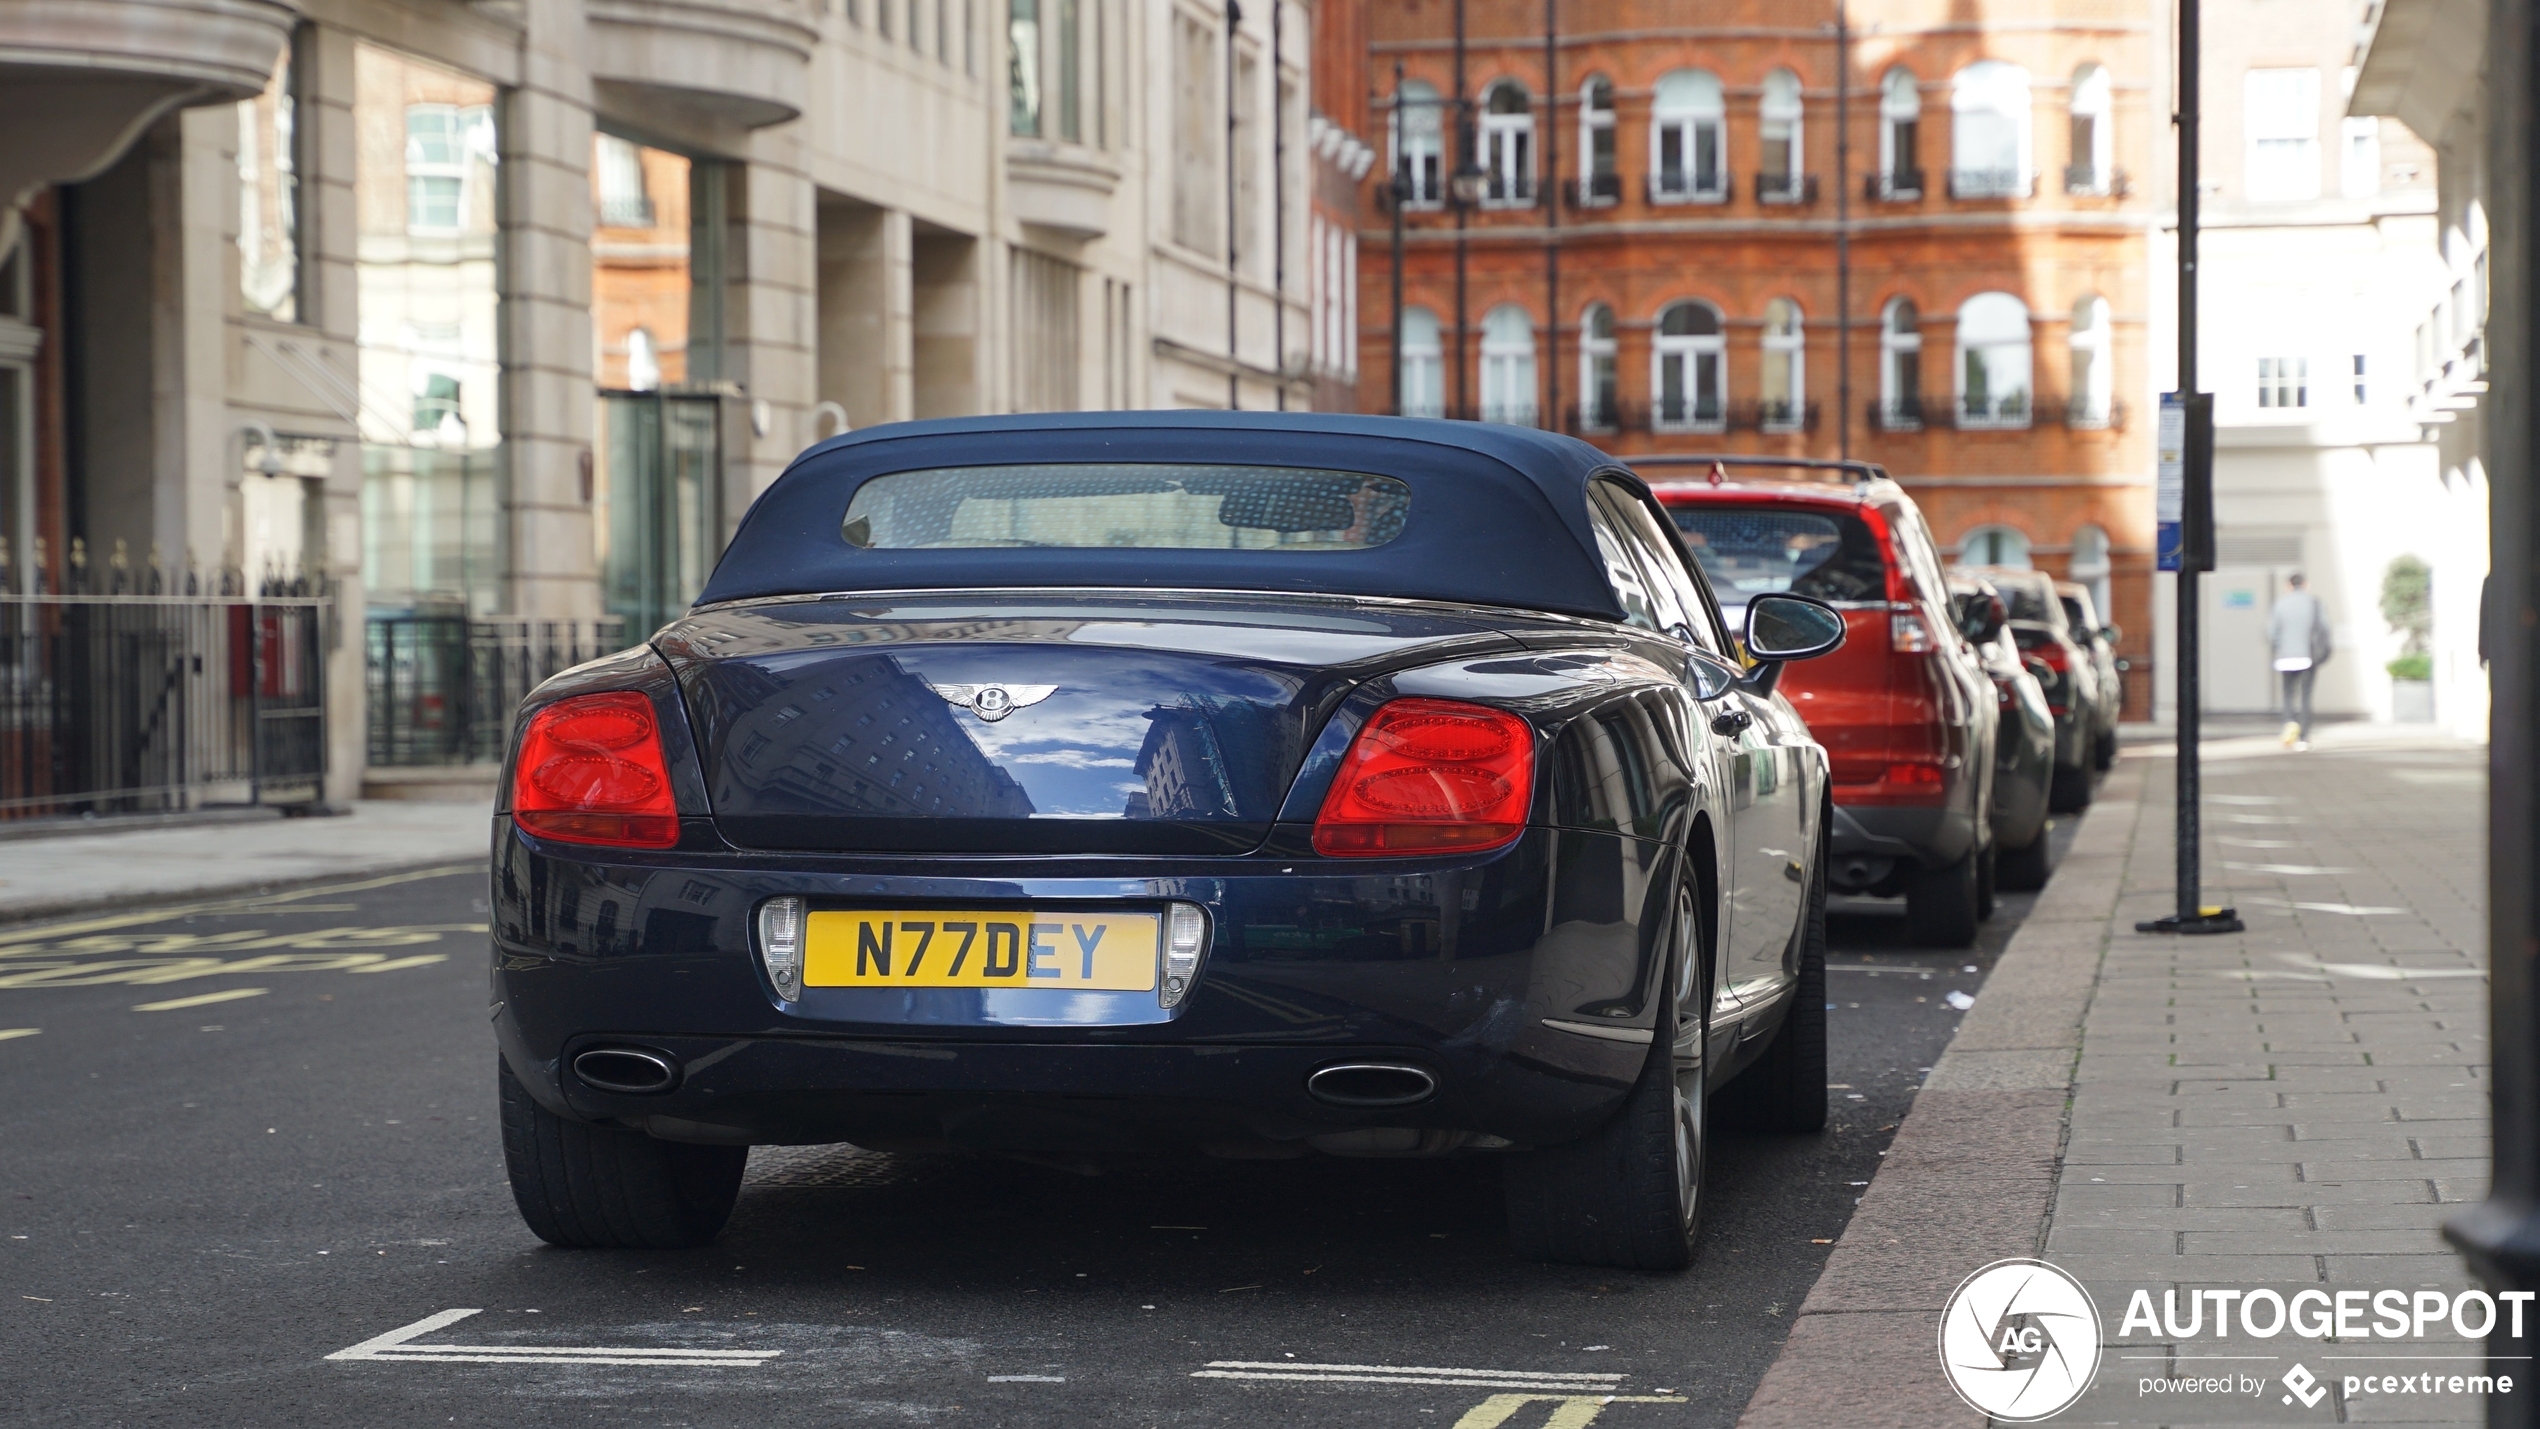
(1429, 776)
(2052, 652)
(1907, 635)
(591, 772)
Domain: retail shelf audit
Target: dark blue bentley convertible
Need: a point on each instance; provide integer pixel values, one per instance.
(1090, 786)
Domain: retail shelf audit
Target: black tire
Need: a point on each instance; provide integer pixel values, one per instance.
(1985, 883)
(602, 1187)
(2071, 792)
(1785, 1090)
(2103, 753)
(1940, 904)
(1629, 1195)
(2024, 870)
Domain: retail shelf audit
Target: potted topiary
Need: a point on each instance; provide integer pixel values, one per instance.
(2407, 603)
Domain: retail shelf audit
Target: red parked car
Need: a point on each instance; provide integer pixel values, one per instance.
(1905, 709)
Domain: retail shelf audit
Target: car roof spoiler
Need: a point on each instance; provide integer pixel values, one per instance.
(1860, 472)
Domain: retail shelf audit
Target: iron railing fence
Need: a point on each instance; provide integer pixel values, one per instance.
(140, 703)
(442, 688)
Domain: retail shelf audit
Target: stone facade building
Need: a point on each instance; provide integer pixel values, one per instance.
(490, 317)
(1625, 225)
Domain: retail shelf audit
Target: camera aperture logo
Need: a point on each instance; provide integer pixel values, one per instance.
(2019, 1340)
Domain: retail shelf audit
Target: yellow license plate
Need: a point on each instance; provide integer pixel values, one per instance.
(965, 947)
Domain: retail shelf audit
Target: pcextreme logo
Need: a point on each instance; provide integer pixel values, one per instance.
(2019, 1340)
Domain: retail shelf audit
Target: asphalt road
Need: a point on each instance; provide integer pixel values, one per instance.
(216, 1174)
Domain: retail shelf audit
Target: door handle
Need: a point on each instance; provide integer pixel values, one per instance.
(1730, 722)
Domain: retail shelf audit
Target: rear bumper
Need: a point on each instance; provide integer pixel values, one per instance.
(1452, 966)
(1921, 837)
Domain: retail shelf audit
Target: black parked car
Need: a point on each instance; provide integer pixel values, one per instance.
(2071, 678)
(2024, 743)
(1238, 783)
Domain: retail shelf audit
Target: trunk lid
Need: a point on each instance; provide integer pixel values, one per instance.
(1122, 726)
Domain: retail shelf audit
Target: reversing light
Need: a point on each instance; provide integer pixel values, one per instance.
(1429, 776)
(1186, 937)
(591, 771)
(780, 945)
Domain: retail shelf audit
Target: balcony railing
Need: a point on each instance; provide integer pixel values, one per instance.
(1896, 186)
(1685, 186)
(2091, 181)
(1688, 414)
(1596, 191)
(1773, 416)
(2008, 411)
(1601, 414)
(2086, 414)
(1785, 188)
(1508, 190)
(626, 211)
(1988, 183)
(1896, 414)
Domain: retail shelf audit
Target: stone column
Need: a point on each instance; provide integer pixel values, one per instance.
(547, 373)
(771, 308)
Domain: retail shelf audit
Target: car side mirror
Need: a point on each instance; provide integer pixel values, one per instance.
(1982, 618)
(1782, 627)
(2115, 636)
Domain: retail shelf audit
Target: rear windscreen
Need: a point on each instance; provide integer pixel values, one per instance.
(1748, 551)
(2029, 601)
(1150, 505)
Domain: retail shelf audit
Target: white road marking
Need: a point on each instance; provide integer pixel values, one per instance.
(1027, 1379)
(2354, 910)
(8, 1032)
(2286, 868)
(1556, 1381)
(178, 1004)
(398, 1345)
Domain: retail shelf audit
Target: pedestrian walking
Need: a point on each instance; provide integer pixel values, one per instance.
(2297, 634)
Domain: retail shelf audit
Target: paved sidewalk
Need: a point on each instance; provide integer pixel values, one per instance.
(2296, 1106)
(82, 870)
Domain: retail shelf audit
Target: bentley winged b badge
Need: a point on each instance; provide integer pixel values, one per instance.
(993, 702)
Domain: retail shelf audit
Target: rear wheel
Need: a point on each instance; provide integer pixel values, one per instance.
(1985, 882)
(1940, 904)
(1786, 1089)
(1629, 1195)
(2024, 870)
(2071, 792)
(2103, 753)
(604, 1187)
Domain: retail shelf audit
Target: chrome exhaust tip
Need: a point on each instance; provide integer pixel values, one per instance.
(1371, 1084)
(629, 1070)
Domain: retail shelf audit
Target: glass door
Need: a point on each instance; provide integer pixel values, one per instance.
(660, 492)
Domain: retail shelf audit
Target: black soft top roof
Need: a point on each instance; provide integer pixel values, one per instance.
(1498, 514)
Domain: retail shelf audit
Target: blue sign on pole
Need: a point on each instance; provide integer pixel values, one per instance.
(2169, 497)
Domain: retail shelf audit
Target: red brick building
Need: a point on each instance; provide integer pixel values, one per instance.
(1622, 219)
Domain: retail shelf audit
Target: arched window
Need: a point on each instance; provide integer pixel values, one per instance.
(2090, 566)
(643, 361)
(1782, 177)
(1688, 151)
(2094, 137)
(1423, 367)
(1599, 399)
(1689, 379)
(1508, 145)
(1785, 384)
(1901, 366)
(1993, 361)
(1600, 181)
(1900, 135)
(1508, 366)
(2094, 376)
(1994, 546)
(1989, 131)
(1419, 144)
